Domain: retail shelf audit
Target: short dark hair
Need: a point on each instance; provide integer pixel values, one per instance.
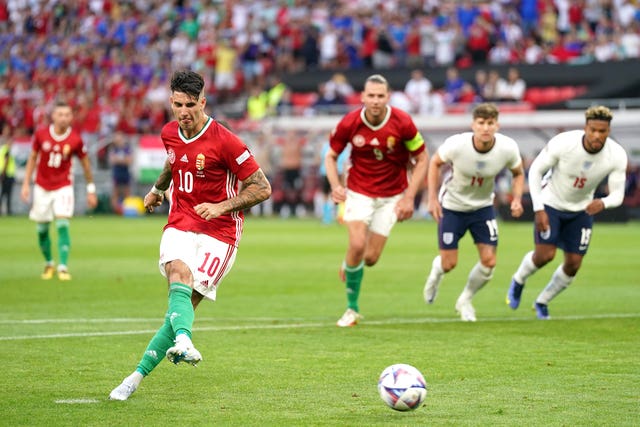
(486, 110)
(598, 112)
(187, 81)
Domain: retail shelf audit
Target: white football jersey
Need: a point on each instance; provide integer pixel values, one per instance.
(565, 176)
(470, 184)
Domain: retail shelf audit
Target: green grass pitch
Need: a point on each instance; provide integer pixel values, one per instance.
(273, 355)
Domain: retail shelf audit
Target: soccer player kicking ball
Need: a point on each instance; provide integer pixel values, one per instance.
(465, 201)
(384, 143)
(51, 156)
(199, 243)
(562, 181)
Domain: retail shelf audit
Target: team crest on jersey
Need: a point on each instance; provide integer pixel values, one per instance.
(171, 155)
(481, 165)
(200, 165)
(447, 238)
(200, 161)
(391, 143)
(358, 140)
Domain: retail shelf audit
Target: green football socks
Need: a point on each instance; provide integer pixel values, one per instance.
(64, 240)
(45, 241)
(353, 277)
(178, 320)
(180, 309)
(157, 348)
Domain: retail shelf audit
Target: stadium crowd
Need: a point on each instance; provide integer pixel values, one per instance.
(112, 59)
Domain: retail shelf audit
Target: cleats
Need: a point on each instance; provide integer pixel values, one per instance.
(123, 391)
(514, 294)
(349, 318)
(63, 275)
(542, 311)
(430, 290)
(49, 271)
(466, 311)
(184, 351)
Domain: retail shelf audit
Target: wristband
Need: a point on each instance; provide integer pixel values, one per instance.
(91, 188)
(157, 191)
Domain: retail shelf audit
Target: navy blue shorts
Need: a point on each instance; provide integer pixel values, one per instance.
(569, 231)
(481, 224)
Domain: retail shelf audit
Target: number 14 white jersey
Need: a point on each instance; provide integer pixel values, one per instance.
(471, 182)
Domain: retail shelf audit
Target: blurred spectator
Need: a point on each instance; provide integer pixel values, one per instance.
(338, 88)
(226, 65)
(490, 92)
(290, 165)
(480, 84)
(479, 40)
(120, 159)
(453, 85)
(512, 88)
(257, 103)
(383, 55)
(7, 170)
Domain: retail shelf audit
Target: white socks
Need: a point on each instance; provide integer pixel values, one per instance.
(437, 273)
(558, 283)
(478, 277)
(526, 269)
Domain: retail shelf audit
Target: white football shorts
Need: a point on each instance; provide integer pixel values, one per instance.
(208, 259)
(48, 205)
(379, 213)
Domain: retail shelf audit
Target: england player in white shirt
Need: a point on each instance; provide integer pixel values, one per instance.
(562, 182)
(465, 200)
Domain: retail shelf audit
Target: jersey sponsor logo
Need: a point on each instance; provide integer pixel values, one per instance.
(447, 238)
(200, 161)
(587, 165)
(481, 165)
(242, 157)
(375, 142)
(46, 146)
(358, 140)
(184, 159)
(172, 155)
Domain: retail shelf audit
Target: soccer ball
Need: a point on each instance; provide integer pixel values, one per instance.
(402, 387)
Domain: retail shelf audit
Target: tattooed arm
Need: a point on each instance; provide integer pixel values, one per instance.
(255, 189)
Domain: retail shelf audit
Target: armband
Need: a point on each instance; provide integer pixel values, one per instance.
(157, 191)
(91, 188)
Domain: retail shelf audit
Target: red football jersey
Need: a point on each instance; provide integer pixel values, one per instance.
(54, 156)
(206, 169)
(379, 154)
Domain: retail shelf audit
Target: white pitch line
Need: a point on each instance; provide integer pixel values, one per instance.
(77, 401)
(307, 325)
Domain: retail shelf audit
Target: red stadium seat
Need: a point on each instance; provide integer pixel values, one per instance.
(303, 99)
(353, 99)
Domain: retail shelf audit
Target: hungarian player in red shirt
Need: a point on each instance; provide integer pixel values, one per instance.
(388, 165)
(53, 148)
(205, 163)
